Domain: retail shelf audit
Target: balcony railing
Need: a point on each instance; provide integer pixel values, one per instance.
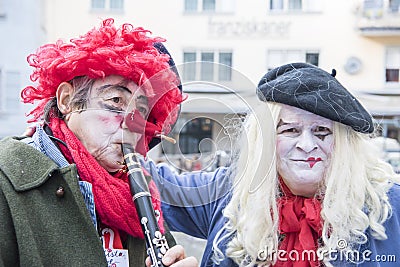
(379, 18)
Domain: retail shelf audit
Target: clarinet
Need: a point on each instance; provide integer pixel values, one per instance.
(156, 243)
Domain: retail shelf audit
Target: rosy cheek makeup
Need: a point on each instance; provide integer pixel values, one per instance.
(110, 121)
(119, 118)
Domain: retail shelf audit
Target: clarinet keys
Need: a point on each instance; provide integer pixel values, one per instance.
(160, 242)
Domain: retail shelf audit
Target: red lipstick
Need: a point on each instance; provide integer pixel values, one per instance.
(312, 161)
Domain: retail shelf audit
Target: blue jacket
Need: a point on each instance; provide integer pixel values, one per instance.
(193, 204)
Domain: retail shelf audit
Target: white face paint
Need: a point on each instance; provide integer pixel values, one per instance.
(304, 147)
(100, 127)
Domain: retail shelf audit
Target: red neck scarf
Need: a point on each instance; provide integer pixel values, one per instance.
(112, 196)
(300, 225)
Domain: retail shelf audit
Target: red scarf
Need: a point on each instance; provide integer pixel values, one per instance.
(300, 225)
(112, 196)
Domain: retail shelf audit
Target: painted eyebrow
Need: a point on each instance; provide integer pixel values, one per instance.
(115, 86)
(281, 123)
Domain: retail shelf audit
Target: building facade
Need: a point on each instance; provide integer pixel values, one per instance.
(223, 47)
(21, 33)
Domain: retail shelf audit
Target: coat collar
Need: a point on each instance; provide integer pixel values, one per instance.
(25, 167)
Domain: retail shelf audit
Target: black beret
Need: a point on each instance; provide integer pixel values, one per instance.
(310, 88)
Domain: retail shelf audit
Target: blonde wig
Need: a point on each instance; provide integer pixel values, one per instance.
(252, 212)
(354, 193)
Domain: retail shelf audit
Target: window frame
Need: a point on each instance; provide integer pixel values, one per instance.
(289, 6)
(2, 91)
(11, 84)
(197, 66)
(285, 54)
(3, 12)
(108, 6)
(201, 7)
(392, 66)
(394, 6)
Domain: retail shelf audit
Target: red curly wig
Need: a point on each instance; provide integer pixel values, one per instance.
(127, 51)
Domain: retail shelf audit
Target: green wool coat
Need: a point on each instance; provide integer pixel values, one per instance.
(41, 227)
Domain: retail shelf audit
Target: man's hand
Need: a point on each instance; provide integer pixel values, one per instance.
(175, 257)
(29, 131)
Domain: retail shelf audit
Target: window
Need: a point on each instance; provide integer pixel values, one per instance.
(392, 75)
(295, 5)
(190, 133)
(225, 72)
(276, 5)
(1, 91)
(372, 4)
(116, 4)
(392, 64)
(207, 66)
(12, 86)
(312, 58)
(213, 66)
(394, 6)
(98, 4)
(200, 5)
(373, 8)
(108, 5)
(189, 69)
(2, 9)
(280, 57)
(10, 91)
(190, 5)
(207, 6)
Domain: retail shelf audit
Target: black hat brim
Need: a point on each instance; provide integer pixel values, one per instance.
(310, 88)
